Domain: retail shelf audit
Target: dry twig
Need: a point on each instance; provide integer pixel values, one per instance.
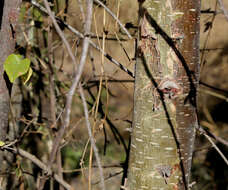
(225, 12)
(39, 163)
(70, 94)
(202, 131)
(93, 144)
(115, 17)
(216, 148)
(76, 32)
(69, 98)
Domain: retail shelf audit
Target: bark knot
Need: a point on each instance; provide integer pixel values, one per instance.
(165, 171)
(170, 88)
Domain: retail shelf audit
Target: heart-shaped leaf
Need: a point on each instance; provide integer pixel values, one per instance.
(16, 66)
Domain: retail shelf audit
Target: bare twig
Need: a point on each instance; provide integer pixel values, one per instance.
(202, 131)
(112, 81)
(110, 176)
(66, 119)
(115, 17)
(208, 11)
(94, 166)
(215, 94)
(73, 30)
(69, 97)
(51, 77)
(110, 38)
(60, 33)
(92, 138)
(39, 163)
(123, 68)
(209, 133)
(59, 165)
(82, 10)
(221, 140)
(212, 87)
(95, 108)
(211, 49)
(216, 148)
(206, 42)
(225, 12)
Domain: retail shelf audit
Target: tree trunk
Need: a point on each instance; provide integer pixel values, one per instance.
(167, 74)
(8, 22)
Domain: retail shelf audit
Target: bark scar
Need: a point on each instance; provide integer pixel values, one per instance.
(165, 171)
(170, 88)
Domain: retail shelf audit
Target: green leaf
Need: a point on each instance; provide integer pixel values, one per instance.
(27, 76)
(16, 66)
(37, 15)
(18, 172)
(2, 143)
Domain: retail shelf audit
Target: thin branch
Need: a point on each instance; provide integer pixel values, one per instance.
(59, 31)
(110, 38)
(208, 11)
(82, 10)
(110, 176)
(209, 133)
(69, 98)
(94, 166)
(51, 76)
(221, 140)
(115, 17)
(204, 132)
(123, 68)
(70, 94)
(39, 163)
(73, 30)
(92, 138)
(111, 81)
(215, 94)
(211, 49)
(225, 12)
(206, 42)
(212, 87)
(216, 148)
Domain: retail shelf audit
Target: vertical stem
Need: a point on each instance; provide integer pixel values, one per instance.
(90, 163)
(8, 28)
(167, 74)
(51, 77)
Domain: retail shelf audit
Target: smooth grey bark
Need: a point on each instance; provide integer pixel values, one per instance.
(167, 73)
